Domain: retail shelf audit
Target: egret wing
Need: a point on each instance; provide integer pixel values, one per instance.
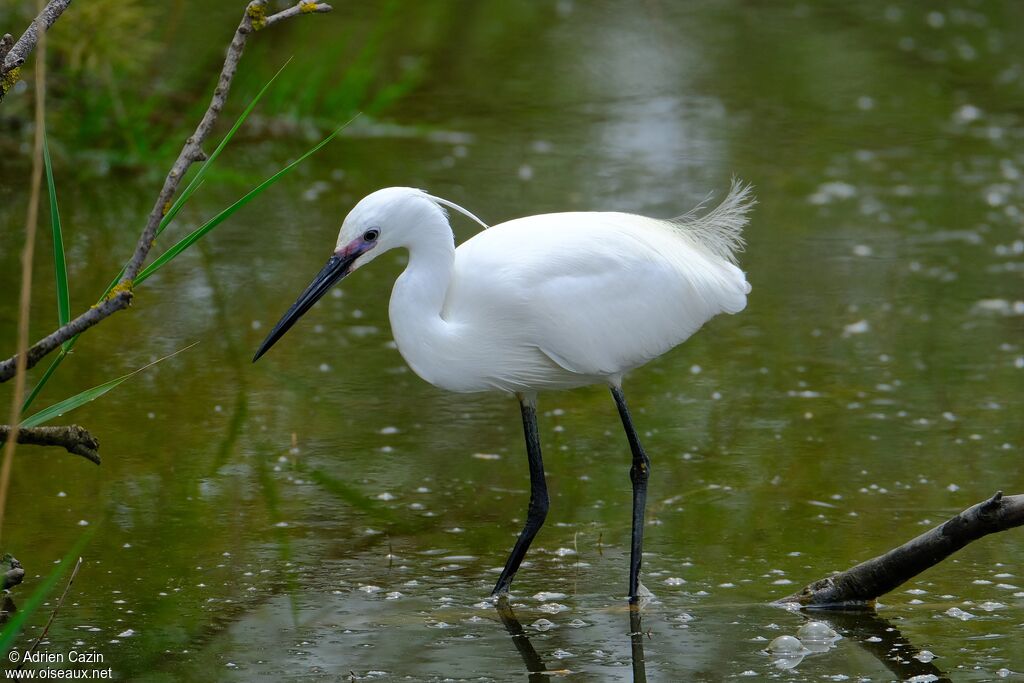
(598, 293)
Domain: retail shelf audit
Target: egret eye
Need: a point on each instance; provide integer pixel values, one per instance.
(371, 235)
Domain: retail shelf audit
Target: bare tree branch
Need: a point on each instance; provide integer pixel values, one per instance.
(13, 55)
(864, 583)
(119, 300)
(253, 19)
(73, 438)
(300, 8)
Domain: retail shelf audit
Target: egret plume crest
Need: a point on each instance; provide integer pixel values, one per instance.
(453, 205)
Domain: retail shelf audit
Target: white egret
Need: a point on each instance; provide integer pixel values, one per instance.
(552, 301)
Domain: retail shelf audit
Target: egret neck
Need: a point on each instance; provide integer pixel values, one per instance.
(417, 298)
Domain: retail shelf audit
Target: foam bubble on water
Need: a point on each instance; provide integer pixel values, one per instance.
(967, 113)
(543, 625)
(816, 631)
(486, 456)
(991, 606)
(859, 327)
(545, 596)
(438, 624)
(958, 613)
(829, 192)
(786, 646)
(552, 608)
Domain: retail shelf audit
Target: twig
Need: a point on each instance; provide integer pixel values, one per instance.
(13, 55)
(53, 615)
(861, 585)
(253, 19)
(31, 220)
(120, 300)
(73, 438)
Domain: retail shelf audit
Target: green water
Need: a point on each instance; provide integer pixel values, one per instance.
(325, 513)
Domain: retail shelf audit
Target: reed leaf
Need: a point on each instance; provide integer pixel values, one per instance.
(60, 265)
(80, 399)
(61, 355)
(202, 230)
(63, 306)
(198, 179)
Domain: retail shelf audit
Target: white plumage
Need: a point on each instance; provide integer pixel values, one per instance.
(550, 301)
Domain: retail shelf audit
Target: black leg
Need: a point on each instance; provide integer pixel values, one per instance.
(538, 509)
(638, 474)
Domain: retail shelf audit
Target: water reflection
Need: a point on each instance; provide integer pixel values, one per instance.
(636, 640)
(7, 610)
(533, 662)
(877, 635)
(885, 258)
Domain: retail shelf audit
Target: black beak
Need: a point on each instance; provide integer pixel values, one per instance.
(337, 268)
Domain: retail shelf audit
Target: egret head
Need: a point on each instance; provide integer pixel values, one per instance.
(388, 218)
(384, 220)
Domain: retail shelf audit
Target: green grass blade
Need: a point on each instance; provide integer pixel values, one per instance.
(201, 231)
(60, 265)
(63, 301)
(11, 629)
(61, 355)
(198, 179)
(80, 399)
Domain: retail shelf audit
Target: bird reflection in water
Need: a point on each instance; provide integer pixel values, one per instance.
(535, 665)
(865, 628)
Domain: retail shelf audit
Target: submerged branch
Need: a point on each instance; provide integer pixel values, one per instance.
(13, 576)
(72, 438)
(861, 585)
(254, 19)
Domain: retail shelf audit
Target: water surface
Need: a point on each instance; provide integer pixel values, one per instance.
(327, 513)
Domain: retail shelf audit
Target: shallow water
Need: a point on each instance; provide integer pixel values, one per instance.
(325, 512)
